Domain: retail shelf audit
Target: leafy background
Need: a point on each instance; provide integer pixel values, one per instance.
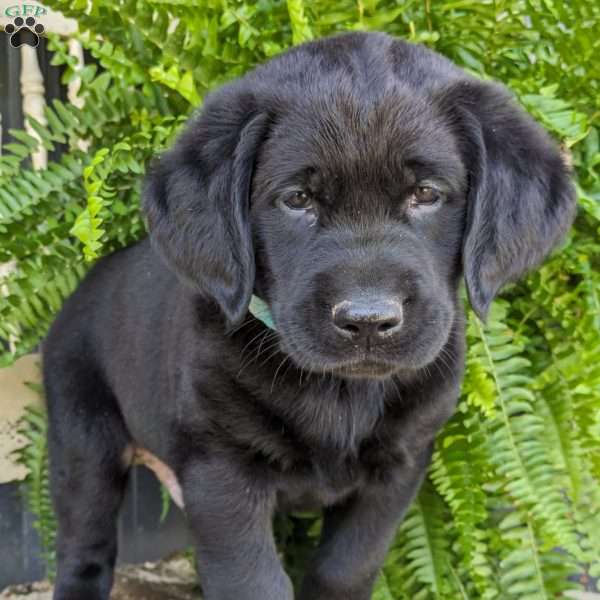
(511, 506)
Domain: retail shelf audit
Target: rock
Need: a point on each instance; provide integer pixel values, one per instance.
(40, 590)
(169, 579)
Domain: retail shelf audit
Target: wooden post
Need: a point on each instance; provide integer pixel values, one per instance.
(32, 89)
(76, 50)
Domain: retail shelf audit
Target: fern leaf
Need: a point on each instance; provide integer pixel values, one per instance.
(425, 547)
(34, 456)
(517, 434)
(460, 470)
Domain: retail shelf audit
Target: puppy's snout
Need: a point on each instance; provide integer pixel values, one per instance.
(363, 319)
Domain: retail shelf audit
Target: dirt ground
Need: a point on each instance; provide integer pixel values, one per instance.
(171, 579)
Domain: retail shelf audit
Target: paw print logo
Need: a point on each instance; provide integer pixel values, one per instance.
(24, 31)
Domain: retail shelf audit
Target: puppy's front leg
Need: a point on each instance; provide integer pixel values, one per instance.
(357, 535)
(230, 513)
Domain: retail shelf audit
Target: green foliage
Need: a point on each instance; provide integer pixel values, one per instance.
(34, 457)
(297, 536)
(516, 472)
(165, 503)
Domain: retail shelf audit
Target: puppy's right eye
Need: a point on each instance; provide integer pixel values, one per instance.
(299, 201)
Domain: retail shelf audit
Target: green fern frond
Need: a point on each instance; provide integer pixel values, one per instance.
(382, 589)
(33, 297)
(525, 571)
(460, 471)
(424, 548)
(517, 433)
(165, 503)
(21, 194)
(34, 457)
(87, 225)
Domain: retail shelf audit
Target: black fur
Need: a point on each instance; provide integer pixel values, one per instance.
(324, 413)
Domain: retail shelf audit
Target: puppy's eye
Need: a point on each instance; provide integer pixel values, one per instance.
(425, 195)
(299, 201)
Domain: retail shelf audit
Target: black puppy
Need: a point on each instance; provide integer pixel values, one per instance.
(348, 184)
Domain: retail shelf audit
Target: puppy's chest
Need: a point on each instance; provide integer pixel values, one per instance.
(321, 478)
(319, 444)
(342, 452)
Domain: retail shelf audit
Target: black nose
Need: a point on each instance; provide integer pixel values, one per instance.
(362, 319)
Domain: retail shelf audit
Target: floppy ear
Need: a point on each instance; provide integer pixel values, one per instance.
(196, 199)
(521, 200)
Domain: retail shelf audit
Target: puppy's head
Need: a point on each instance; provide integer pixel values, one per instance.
(350, 182)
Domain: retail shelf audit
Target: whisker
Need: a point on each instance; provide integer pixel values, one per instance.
(277, 351)
(446, 359)
(263, 333)
(244, 323)
(285, 358)
(265, 336)
(253, 358)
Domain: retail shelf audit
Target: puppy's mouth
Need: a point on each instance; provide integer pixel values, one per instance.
(361, 366)
(365, 369)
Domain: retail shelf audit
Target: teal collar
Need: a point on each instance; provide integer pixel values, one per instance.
(260, 309)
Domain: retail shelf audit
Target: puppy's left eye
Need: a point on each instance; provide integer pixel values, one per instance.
(425, 195)
(299, 201)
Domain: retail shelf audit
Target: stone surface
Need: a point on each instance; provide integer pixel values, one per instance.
(171, 579)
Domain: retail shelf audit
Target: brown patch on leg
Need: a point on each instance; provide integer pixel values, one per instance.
(135, 455)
